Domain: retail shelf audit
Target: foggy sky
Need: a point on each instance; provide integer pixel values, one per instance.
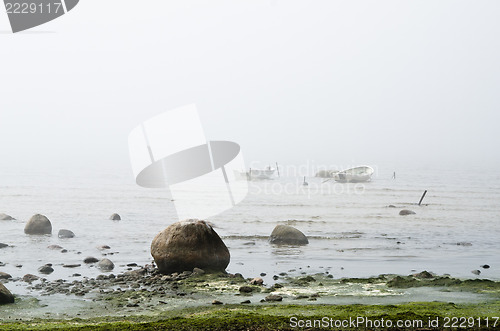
(333, 82)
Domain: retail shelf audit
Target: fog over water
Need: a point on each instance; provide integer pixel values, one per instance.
(403, 86)
(331, 82)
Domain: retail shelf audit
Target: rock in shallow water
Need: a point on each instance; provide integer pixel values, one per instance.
(90, 259)
(5, 217)
(273, 297)
(187, 245)
(63, 233)
(5, 295)
(106, 265)
(4, 275)
(38, 225)
(115, 217)
(287, 235)
(405, 212)
(3, 245)
(46, 269)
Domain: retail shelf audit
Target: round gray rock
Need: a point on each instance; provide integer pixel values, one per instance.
(63, 233)
(115, 217)
(38, 225)
(187, 245)
(5, 295)
(46, 269)
(287, 235)
(106, 265)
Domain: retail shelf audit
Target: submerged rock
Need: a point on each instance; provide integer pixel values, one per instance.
(63, 233)
(106, 265)
(485, 266)
(54, 247)
(5, 217)
(476, 272)
(187, 245)
(405, 212)
(38, 225)
(287, 235)
(5, 295)
(115, 217)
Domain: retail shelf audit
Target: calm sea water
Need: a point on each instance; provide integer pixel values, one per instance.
(352, 231)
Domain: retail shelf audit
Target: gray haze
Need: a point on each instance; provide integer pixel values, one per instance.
(329, 82)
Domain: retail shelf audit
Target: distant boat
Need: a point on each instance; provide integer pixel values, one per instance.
(354, 175)
(253, 174)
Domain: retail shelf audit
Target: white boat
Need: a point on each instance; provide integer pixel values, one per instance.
(257, 174)
(354, 175)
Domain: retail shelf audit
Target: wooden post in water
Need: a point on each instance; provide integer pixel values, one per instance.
(278, 168)
(422, 198)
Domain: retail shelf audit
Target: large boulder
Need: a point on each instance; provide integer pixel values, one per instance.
(5, 295)
(187, 245)
(5, 217)
(287, 235)
(38, 224)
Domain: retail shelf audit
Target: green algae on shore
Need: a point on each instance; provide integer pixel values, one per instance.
(273, 317)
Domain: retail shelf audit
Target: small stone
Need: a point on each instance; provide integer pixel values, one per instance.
(3, 245)
(274, 297)
(65, 234)
(115, 217)
(106, 265)
(5, 217)
(46, 269)
(405, 212)
(217, 302)
(275, 277)
(90, 259)
(246, 289)
(103, 247)
(4, 275)
(71, 265)
(257, 281)
(28, 278)
(132, 265)
(198, 271)
(476, 272)
(262, 274)
(391, 206)
(485, 266)
(54, 247)
(245, 302)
